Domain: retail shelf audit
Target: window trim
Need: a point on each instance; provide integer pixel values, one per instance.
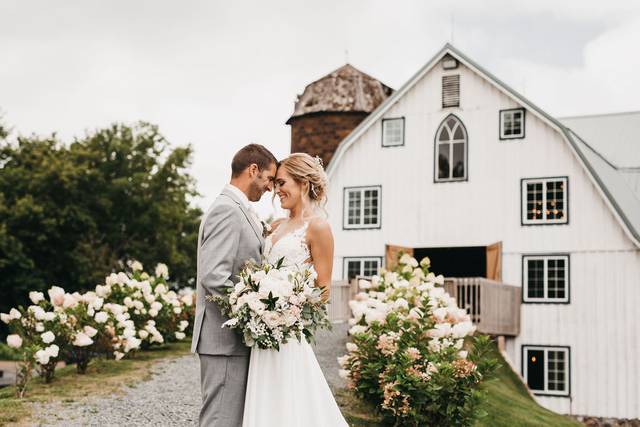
(523, 209)
(345, 261)
(546, 300)
(501, 135)
(437, 180)
(345, 208)
(403, 132)
(545, 348)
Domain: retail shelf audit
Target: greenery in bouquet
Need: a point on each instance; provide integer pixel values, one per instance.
(271, 304)
(413, 354)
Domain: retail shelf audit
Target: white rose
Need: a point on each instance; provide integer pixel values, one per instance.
(53, 350)
(36, 297)
(180, 335)
(101, 317)
(162, 271)
(14, 341)
(90, 331)
(15, 314)
(39, 327)
(48, 337)
(82, 340)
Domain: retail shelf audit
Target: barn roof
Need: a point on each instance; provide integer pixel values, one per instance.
(346, 89)
(617, 184)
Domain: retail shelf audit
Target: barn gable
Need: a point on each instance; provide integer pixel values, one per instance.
(610, 183)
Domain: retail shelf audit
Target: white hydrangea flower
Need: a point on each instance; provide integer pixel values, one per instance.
(162, 271)
(14, 341)
(82, 340)
(36, 297)
(14, 314)
(180, 335)
(48, 337)
(90, 331)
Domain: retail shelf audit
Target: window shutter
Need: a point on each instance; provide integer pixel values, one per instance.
(450, 91)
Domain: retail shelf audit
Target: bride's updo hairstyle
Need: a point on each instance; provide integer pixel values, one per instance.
(309, 173)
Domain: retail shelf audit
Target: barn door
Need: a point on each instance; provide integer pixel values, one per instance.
(494, 261)
(391, 255)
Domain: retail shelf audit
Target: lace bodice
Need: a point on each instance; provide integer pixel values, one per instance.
(292, 246)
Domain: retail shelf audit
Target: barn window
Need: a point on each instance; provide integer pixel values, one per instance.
(393, 132)
(545, 278)
(451, 151)
(361, 266)
(361, 207)
(512, 123)
(546, 369)
(544, 201)
(450, 91)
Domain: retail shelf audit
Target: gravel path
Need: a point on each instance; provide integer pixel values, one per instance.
(172, 396)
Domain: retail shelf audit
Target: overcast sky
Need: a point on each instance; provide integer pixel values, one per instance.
(219, 75)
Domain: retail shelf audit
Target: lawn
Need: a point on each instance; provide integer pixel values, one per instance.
(507, 404)
(103, 377)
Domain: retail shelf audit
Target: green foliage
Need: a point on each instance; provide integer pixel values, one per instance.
(71, 214)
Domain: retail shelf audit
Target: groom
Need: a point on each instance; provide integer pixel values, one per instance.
(230, 234)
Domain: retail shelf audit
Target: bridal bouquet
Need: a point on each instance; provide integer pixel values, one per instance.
(272, 304)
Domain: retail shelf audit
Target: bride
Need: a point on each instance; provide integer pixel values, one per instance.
(286, 388)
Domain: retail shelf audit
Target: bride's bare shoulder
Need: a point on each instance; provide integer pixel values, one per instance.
(319, 227)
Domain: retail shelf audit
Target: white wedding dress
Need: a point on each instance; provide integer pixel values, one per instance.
(287, 388)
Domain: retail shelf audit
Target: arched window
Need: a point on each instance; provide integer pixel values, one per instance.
(451, 150)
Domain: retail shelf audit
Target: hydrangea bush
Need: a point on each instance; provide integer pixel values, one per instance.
(131, 310)
(413, 354)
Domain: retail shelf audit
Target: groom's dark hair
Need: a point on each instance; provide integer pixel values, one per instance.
(250, 154)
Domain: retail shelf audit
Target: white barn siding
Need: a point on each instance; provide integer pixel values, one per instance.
(598, 324)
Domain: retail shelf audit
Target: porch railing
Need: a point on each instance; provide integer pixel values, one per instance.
(494, 306)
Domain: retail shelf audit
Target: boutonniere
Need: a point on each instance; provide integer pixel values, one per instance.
(266, 229)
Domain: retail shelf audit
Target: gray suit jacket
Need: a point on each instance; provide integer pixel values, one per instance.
(228, 237)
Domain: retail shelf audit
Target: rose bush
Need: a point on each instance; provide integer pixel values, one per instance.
(131, 310)
(413, 354)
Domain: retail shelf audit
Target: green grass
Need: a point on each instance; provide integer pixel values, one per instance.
(103, 377)
(507, 404)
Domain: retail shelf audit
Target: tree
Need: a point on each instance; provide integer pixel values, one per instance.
(71, 214)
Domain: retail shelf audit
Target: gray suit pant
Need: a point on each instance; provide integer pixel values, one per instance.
(224, 383)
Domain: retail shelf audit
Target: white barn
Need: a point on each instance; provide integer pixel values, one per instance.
(457, 166)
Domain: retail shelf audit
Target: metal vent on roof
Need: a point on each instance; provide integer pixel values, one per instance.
(450, 91)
